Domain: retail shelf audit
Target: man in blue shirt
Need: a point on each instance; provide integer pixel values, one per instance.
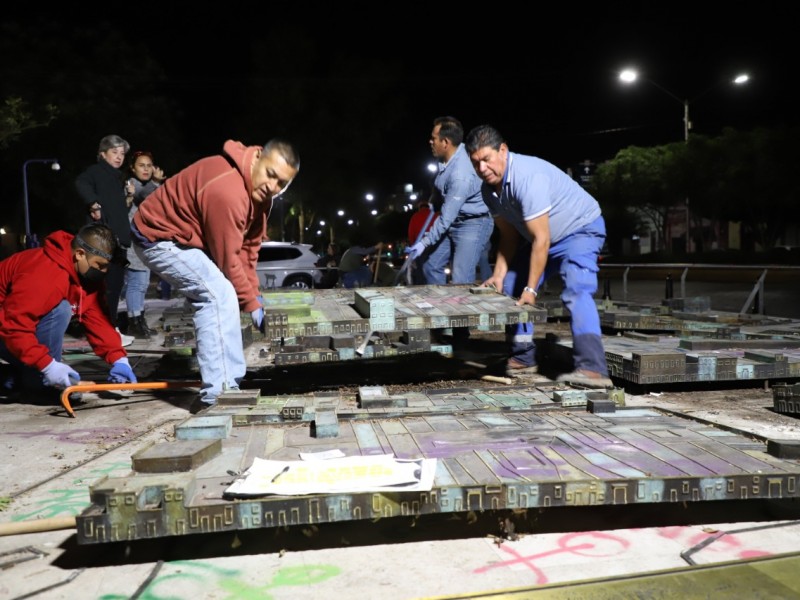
(461, 232)
(547, 224)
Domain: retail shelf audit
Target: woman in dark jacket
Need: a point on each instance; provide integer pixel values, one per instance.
(102, 185)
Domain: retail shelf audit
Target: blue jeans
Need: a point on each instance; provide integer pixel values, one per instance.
(484, 266)
(434, 261)
(574, 258)
(217, 322)
(50, 332)
(136, 283)
(361, 277)
(462, 247)
(417, 276)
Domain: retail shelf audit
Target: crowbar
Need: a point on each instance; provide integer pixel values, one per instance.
(377, 268)
(99, 387)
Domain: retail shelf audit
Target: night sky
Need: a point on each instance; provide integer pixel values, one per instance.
(544, 76)
(548, 81)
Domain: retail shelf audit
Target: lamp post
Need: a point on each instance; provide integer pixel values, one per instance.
(54, 166)
(629, 76)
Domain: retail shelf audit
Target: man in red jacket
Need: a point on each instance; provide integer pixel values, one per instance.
(424, 214)
(41, 289)
(201, 232)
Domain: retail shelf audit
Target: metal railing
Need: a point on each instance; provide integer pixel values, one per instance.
(734, 273)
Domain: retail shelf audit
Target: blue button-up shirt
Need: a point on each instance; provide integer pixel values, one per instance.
(533, 187)
(460, 187)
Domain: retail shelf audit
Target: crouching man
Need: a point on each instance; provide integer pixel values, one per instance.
(41, 289)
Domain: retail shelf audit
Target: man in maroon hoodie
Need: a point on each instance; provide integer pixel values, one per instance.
(41, 289)
(201, 232)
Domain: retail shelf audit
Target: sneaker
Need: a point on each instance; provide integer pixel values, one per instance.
(198, 407)
(515, 367)
(586, 378)
(125, 340)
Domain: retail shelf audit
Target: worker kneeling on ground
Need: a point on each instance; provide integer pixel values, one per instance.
(41, 289)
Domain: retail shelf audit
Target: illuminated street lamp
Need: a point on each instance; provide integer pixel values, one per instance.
(629, 76)
(53, 162)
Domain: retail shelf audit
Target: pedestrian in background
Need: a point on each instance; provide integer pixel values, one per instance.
(201, 231)
(354, 268)
(548, 224)
(102, 188)
(330, 263)
(145, 178)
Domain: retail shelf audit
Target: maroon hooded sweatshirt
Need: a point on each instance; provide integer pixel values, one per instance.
(32, 283)
(208, 205)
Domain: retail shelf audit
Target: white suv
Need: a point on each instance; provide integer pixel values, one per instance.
(287, 265)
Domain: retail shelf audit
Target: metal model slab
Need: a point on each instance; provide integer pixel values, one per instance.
(516, 448)
(678, 341)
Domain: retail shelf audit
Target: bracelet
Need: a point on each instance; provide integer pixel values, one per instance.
(531, 290)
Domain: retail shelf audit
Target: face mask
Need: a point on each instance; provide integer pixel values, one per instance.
(92, 275)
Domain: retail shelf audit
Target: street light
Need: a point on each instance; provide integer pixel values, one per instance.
(53, 162)
(629, 76)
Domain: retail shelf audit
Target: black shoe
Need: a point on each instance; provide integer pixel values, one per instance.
(146, 326)
(137, 327)
(198, 407)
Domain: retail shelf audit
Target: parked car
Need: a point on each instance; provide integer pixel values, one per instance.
(288, 265)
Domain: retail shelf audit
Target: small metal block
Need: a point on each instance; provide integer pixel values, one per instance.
(784, 448)
(239, 398)
(205, 428)
(325, 423)
(293, 409)
(601, 406)
(183, 455)
(570, 397)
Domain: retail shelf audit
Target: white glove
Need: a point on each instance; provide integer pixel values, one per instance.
(59, 375)
(415, 250)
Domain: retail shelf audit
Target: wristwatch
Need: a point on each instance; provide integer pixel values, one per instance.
(531, 290)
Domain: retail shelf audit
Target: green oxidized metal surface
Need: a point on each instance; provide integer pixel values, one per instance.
(532, 454)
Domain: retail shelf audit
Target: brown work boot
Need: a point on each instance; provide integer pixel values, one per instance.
(515, 367)
(586, 378)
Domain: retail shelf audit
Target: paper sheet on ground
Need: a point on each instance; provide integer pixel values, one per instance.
(350, 474)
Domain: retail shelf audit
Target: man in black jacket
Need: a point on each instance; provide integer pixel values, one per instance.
(104, 192)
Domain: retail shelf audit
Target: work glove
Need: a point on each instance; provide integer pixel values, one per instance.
(416, 250)
(59, 375)
(121, 372)
(258, 319)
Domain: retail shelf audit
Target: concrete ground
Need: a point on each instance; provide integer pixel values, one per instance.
(50, 460)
